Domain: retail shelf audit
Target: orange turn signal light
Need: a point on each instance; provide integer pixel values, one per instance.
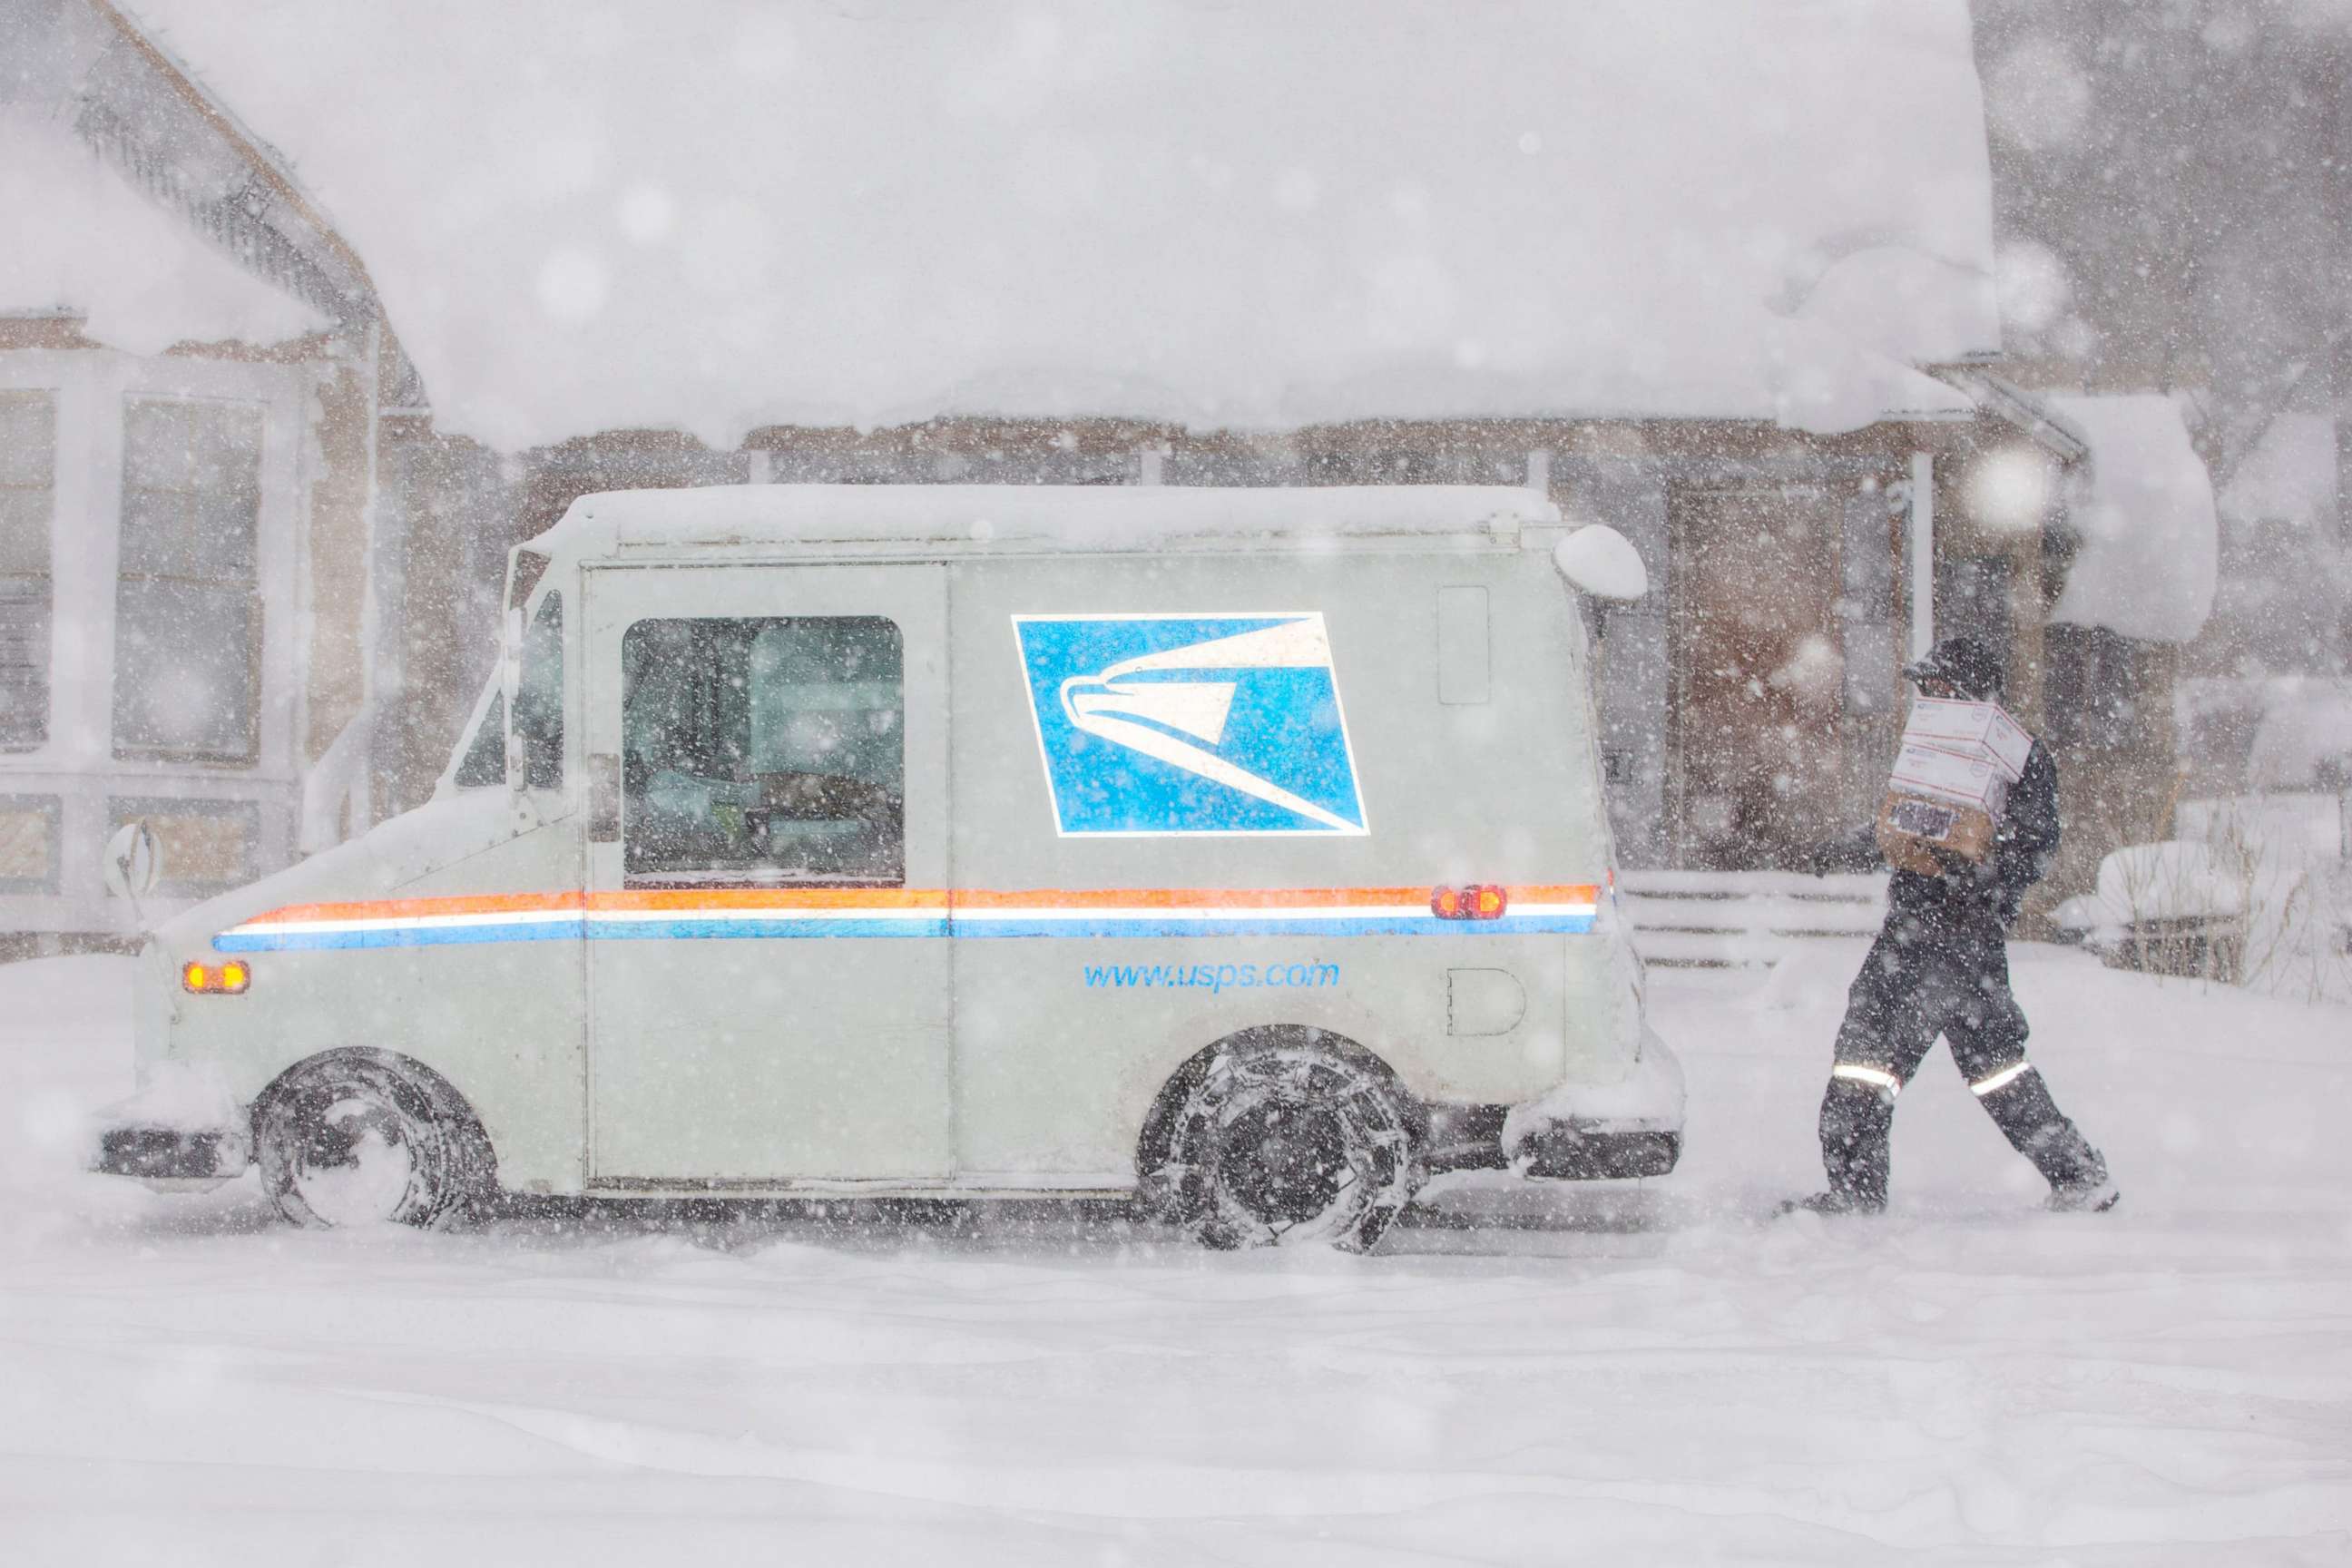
(1479, 902)
(230, 979)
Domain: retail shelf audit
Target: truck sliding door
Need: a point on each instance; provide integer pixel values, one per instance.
(768, 974)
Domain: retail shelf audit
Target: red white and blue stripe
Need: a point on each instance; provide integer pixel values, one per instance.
(682, 914)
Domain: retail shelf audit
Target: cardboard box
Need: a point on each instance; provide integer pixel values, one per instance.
(1978, 730)
(1909, 824)
(1932, 774)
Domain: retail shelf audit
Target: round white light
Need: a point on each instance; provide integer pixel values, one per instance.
(2008, 488)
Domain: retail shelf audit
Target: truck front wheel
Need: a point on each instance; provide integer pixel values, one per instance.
(363, 1137)
(1290, 1144)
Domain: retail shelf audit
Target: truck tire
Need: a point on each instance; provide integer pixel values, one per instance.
(1289, 1144)
(359, 1137)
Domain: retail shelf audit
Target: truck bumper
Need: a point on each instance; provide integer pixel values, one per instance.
(182, 1131)
(1633, 1128)
(174, 1159)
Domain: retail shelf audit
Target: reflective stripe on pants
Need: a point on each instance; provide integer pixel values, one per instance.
(1999, 1079)
(1877, 1077)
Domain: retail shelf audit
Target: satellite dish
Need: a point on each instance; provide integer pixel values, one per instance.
(134, 862)
(1599, 561)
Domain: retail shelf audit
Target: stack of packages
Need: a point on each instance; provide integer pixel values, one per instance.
(1950, 783)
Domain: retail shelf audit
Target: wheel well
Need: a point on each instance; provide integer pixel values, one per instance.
(445, 1095)
(1152, 1148)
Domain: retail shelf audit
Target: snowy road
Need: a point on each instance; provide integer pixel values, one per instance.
(1600, 1375)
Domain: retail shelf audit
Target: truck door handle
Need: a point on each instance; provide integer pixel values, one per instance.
(604, 798)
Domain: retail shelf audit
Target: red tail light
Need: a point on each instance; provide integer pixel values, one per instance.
(1479, 902)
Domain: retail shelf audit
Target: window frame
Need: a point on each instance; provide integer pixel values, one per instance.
(47, 578)
(258, 632)
(91, 388)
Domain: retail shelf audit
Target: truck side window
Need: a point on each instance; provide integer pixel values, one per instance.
(758, 751)
(539, 697)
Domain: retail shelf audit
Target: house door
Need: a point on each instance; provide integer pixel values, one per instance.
(766, 982)
(1758, 667)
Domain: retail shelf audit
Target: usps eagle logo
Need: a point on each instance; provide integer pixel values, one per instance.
(1163, 725)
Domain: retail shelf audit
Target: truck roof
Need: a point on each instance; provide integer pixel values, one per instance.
(1024, 517)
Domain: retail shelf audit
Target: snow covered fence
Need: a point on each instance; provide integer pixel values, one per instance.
(1739, 919)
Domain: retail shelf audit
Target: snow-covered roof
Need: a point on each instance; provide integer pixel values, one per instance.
(1073, 517)
(2150, 545)
(83, 242)
(734, 213)
(2289, 476)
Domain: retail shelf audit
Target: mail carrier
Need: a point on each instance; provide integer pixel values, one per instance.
(1242, 851)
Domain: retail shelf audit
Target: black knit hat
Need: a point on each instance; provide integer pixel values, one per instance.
(1967, 663)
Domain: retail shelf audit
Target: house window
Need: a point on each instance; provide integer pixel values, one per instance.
(2091, 685)
(28, 843)
(207, 847)
(1973, 599)
(28, 465)
(764, 750)
(187, 662)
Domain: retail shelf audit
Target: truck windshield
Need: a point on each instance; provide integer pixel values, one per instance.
(539, 697)
(484, 764)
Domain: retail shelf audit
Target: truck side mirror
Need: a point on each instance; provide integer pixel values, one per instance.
(1601, 564)
(134, 863)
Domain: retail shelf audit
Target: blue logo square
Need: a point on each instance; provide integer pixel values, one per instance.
(1162, 725)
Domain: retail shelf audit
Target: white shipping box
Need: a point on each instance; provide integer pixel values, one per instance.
(1978, 730)
(1949, 775)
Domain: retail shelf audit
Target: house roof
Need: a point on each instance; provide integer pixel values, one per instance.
(739, 213)
(83, 243)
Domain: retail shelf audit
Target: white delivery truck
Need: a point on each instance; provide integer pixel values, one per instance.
(1239, 850)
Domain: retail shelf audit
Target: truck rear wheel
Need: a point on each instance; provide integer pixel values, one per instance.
(361, 1137)
(1281, 1144)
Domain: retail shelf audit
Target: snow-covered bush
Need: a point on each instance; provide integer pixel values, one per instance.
(2286, 851)
(2255, 891)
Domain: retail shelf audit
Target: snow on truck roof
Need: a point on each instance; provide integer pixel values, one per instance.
(1070, 517)
(731, 214)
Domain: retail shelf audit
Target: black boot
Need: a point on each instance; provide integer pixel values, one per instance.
(1834, 1202)
(2021, 1106)
(1856, 1118)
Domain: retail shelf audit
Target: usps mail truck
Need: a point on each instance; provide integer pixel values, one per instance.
(1239, 852)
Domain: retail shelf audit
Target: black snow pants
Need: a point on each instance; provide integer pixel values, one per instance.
(1922, 979)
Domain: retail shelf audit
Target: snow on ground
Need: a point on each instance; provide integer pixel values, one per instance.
(1592, 1375)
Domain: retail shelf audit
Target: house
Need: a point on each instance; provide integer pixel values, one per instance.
(1722, 279)
(189, 387)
